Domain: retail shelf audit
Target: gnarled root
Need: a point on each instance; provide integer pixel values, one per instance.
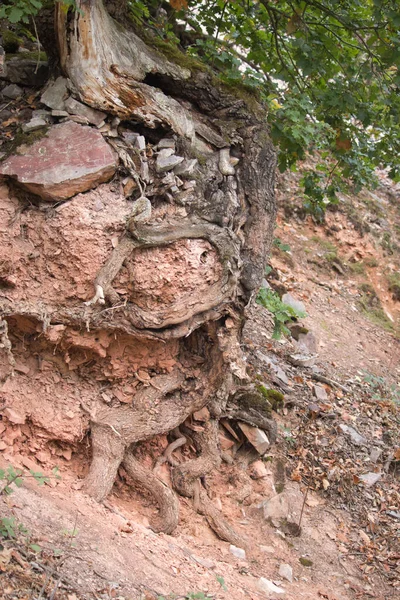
(108, 451)
(168, 516)
(217, 522)
(187, 477)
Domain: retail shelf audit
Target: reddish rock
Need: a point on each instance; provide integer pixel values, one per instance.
(69, 159)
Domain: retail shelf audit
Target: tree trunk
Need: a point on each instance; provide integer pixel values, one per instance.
(222, 217)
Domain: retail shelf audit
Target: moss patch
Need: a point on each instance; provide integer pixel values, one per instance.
(34, 55)
(274, 397)
(11, 42)
(371, 307)
(306, 562)
(22, 139)
(394, 285)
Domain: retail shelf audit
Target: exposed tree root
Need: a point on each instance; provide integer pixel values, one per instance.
(187, 480)
(167, 455)
(168, 516)
(217, 521)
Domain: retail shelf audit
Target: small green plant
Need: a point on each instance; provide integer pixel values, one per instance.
(371, 262)
(221, 582)
(381, 389)
(281, 245)
(9, 477)
(357, 268)
(394, 285)
(281, 312)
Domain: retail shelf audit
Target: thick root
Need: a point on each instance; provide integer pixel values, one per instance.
(168, 516)
(108, 452)
(217, 521)
(187, 481)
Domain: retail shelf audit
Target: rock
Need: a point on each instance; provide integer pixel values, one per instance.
(267, 586)
(165, 153)
(258, 470)
(168, 163)
(369, 479)
(204, 562)
(59, 113)
(286, 572)
(13, 416)
(3, 445)
(296, 329)
(313, 409)
(320, 393)
(34, 124)
(276, 508)
(140, 143)
(307, 342)
(202, 415)
(186, 168)
(355, 437)
(166, 143)
(268, 549)
(26, 71)
(55, 95)
(130, 136)
(238, 552)
(29, 464)
(95, 117)
(12, 91)
(257, 438)
(297, 305)
(69, 159)
(303, 360)
(375, 455)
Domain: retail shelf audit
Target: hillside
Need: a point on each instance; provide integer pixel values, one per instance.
(318, 509)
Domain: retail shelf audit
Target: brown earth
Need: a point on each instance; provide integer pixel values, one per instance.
(113, 553)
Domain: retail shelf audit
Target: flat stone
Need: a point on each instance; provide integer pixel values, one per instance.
(167, 164)
(186, 169)
(267, 586)
(369, 479)
(320, 393)
(140, 143)
(258, 470)
(238, 552)
(55, 94)
(13, 416)
(12, 91)
(59, 113)
(303, 360)
(297, 305)
(165, 153)
(375, 455)
(69, 159)
(307, 342)
(276, 508)
(286, 572)
(130, 137)
(257, 438)
(95, 117)
(26, 71)
(34, 124)
(355, 437)
(166, 143)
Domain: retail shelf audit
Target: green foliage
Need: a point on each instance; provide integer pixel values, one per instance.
(381, 389)
(9, 528)
(328, 72)
(22, 11)
(11, 476)
(281, 312)
(280, 245)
